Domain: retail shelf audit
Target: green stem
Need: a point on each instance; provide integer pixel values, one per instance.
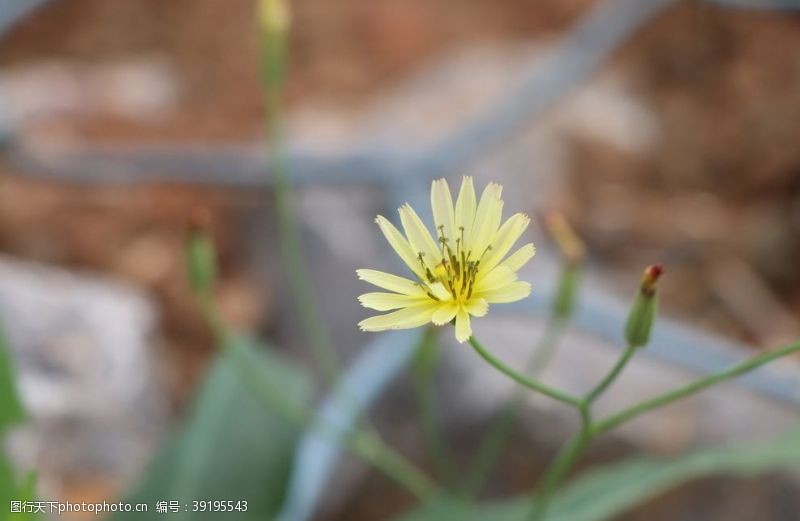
(491, 445)
(366, 443)
(522, 379)
(564, 461)
(591, 430)
(424, 373)
(693, 388)
(373, 450)
(612, 375)
(275, 52)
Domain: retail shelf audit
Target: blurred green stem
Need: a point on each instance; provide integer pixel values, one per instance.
(491, 445)
(275, 48)
(364, 443)
(590, 430)
(693, 388)
(426, 362)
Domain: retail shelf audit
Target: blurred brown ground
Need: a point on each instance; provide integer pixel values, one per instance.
(721, 194)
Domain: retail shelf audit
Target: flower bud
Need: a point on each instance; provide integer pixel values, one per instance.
(201, 262)
(564, 301)
(274, 17)
(572, 251)
(644, 309)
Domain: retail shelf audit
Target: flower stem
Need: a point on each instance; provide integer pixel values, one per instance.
(693, 388)
(424, 373)
(373, 449)
(564, 461)
(364, 443)
(275, 53)
(591, 430)
(522, 379)
(491, 445)
(612, 375)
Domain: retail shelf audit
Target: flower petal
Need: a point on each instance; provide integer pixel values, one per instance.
(439, 291)
(465, 209)
(487, 218)
(463, 328)
(400, 245)
(519, 258)
(380, 301)
(391, 282)
(504, 239)
(510, 293)
(419, 237)
(477, 307)
(445, 313)
(443, 211)
(405, 318)
(497, 278)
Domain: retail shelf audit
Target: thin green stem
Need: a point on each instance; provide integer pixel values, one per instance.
(564, 461)
(693, 388)
(424, 373)
(491, 445)
(366, 443)
(612, 375)
(591, 430)
(522, 379)
(375, 451)
(275, 54)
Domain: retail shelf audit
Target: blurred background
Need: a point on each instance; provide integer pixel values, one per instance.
(120, 118)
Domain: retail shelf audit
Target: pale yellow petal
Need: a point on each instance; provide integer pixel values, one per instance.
(487, 218)
(391, 282)
(419, 237)
(477, 307)
(511, 293)
(443, 211)
(497, 278)
(380, 301)
(439, 291)
(466, 203)
(463, 328)
(405, 318)
(444, 313)
(506, 236)
(519, 258)
(401, 246)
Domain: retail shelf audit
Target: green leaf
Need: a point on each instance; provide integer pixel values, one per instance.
(11, 410)
(610, 490)
(234, 446)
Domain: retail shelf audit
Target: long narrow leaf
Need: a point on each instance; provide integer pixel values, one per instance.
(232, 447)
(608, 491)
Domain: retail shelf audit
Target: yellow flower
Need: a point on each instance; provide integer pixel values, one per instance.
(459, 274)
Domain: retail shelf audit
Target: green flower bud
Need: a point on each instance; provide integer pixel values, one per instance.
(644, 309)
(572, 252)
(565, 297)
(201, 262)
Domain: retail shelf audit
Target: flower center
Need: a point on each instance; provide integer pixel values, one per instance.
(457, 270)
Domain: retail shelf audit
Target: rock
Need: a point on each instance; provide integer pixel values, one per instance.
(83, 350)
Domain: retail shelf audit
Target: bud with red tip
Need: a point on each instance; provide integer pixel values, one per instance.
(644, 309)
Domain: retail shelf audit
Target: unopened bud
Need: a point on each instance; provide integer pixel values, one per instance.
(572, 251)
(201, 262)
(565, 297)
(644, 309)
(274, 16)
(569, 245)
